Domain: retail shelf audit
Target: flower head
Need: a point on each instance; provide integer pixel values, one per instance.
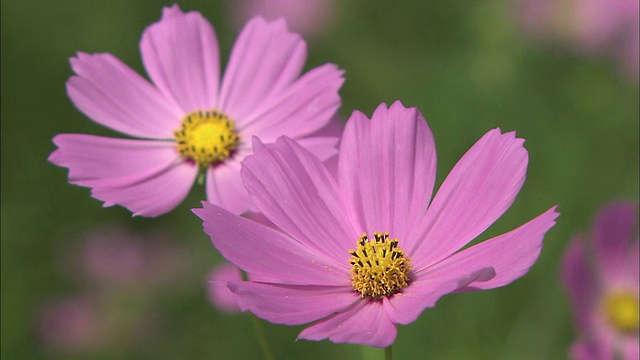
(189, 120)
(364, 250)
(605, 296)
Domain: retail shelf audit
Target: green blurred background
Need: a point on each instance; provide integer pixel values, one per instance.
(465, 65)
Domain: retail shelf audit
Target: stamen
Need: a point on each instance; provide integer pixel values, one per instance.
(621, 308)
(378, 267)
(206, 137)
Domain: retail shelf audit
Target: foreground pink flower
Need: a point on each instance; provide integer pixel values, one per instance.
(605, 296)
(190, 120)
(365, 250)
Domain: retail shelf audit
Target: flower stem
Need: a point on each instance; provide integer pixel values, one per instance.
(388, 353)
(257, 326)
(262, 338)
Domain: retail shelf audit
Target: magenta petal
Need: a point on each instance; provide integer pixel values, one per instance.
(261, 250)
(479, 189)
(113, 95)
(592, 349)
(147, 177)
(613, 236)
(511, 254)
(630, 348)
(307, 105)
(366, 324)
(265, 59)
(180, 53)
(293, 304)
(295, 191)
(580, 283)
(387, 169)
(224, 186)
(427, 288)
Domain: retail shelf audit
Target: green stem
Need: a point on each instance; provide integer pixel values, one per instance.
(257, 326)
(388, 353)
(262, 338)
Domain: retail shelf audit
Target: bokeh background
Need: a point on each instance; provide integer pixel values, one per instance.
(82, 281)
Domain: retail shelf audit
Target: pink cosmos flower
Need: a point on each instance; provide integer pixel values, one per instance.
(364, 250)
(605, 296)
(309, 17)
(190, 120)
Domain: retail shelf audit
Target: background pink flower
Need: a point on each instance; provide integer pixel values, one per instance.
(116, 256)
(191, 120)
(219, 293)
(70, 325)
(607, 28)
(309, 17)
(600, 273)
(386, 173)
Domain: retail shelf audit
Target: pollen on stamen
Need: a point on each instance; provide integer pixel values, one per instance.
(206, 137)
(379, 267)
(621, 309)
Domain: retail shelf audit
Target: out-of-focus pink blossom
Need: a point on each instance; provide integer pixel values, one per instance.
(219, 293)
(70, 324)
(308, 17)
(118, 256)
(600, 273)
(607, 28)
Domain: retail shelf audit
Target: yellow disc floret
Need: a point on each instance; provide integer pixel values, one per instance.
(206, 137)
(621, 309)
(378, 267)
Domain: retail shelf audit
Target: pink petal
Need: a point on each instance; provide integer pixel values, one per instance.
(511, 255)
(224, 185)
(295, 191)
(180, 53)
(293, 304)
(265, 59)
(591, 349)
(631, 266)
(479, 189)
(261, 250)
(307, 105)
(113, 95)
(147, 177)
(322, 147)
(630, 348)
(387, 169)
(366, 324)
(580, 283)
(218, 290)
(613, 236)
(427, 288)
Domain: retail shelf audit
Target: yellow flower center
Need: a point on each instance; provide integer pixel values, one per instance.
(206, 137)
(621, 309)
(378, 267)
